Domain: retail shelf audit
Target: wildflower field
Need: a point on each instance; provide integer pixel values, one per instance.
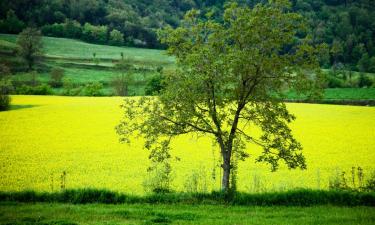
(44, 137)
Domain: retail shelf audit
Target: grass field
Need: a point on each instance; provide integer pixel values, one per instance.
(69, 48)
(43, 136)
(59, 214)
(75, 57)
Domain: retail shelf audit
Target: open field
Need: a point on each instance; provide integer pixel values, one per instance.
(43, 136)
(17, 213)
(75, 57)
(69, 48)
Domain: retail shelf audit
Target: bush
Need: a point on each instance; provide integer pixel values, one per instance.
(72, 29)
(95, 34)
(335, 82)
(43, 89)
(5, 87)
(70, 89)
(116, 38)
(56, 77)
(154, 85)
(11, 24)
(54, 30)
(93, 89)
(364, 81)
(4, 102)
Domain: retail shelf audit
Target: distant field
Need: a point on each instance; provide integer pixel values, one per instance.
(42, 136)
(69, 48)
(59, 214)
(344, 93)
(75, 57)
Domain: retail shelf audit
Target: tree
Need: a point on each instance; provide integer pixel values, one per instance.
(30, 45)
(11, 24)
(57, 75)
(5, 87)
(116, 37)
(121, 82)
(230, 77)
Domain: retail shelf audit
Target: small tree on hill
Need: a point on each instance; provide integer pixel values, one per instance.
(121, 82)
(57, 75)
(30, 46)
(231, 77)
(116, 37)
(5, 87)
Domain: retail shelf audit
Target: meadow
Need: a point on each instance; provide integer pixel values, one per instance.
(76, 58)
(75, 49)
(43, 137)
(59, 214)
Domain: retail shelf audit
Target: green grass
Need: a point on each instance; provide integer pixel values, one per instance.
(42, 213)
(343, 93)
(75, 57)
(349, 93)
(69, 48)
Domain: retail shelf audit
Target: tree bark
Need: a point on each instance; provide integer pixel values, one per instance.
(225, 183)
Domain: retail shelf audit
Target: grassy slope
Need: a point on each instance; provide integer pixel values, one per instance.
(68, 48)
(76, 59)
(17, 213)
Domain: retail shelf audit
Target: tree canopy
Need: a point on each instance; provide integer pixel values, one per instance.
(230, 77)
(347, 26)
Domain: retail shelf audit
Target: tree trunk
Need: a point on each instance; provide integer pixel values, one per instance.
(225, 183)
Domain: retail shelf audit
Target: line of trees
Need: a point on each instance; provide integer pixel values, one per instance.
(347, 26)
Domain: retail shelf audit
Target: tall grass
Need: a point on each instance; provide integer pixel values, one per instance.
(300, 197)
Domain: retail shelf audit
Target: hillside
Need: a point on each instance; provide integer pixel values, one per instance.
(76, 59)
(346, 26)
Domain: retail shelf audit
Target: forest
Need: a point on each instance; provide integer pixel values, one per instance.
(346, 26)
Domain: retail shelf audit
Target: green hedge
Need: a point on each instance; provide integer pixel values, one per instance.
(302, 197)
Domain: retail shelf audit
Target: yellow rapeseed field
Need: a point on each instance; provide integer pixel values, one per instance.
(43, 136)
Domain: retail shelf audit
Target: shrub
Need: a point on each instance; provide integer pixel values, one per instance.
(72, 29)
(159, 179)
(116, 38)
(11, 24)
(54, 30)
(93, 89)
(4, 101)
(56, 77)
(154, 85)
(364, 81)
(334, 82)
(43, 89)
(70, 89)
(96, 34)
(5, 87)
(121, 84)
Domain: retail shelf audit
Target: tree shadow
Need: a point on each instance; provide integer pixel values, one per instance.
(17, 107)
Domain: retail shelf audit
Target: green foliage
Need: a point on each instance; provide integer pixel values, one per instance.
(30, 45)
(11, 24)
(94, 34)
(159, 179)
(154, 85)
(301, 197)
(116, 38)
(121, 84)
(93, 89)
(5, 87)
(229, 74)
(70, 89)
(364, 81)
(43, 89)
(57, 75)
